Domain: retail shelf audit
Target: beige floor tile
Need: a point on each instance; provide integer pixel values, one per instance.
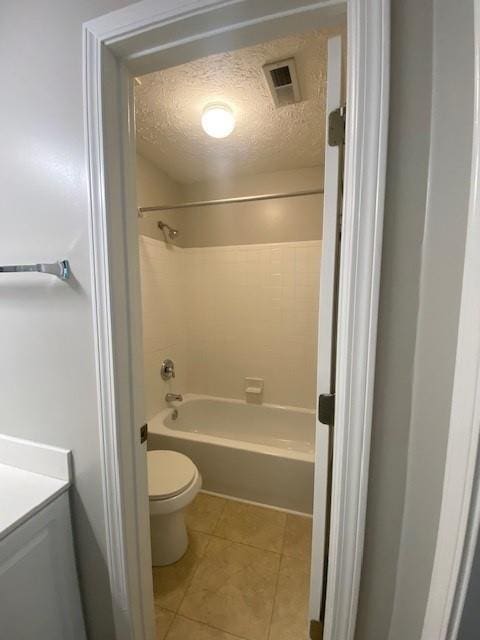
(204, 512)
(290, 612)
(163, 620)
(298, 538)
(183, 629)
(249, 524)
(233, 589)
(171, 582)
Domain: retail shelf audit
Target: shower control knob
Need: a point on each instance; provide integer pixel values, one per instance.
(167, 370)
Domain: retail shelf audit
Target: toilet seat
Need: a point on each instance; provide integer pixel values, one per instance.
(169, 474)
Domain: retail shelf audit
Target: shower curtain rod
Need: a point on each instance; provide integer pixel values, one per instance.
(206, 203)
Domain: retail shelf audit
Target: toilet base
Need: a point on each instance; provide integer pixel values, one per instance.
(169, 537)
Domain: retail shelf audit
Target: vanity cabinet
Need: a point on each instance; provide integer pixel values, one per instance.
(39, 594)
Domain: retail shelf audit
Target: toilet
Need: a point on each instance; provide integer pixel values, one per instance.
(173, 482)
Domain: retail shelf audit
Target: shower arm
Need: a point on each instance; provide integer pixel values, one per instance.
(173, 233)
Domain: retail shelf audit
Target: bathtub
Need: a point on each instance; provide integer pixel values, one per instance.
(261, 453)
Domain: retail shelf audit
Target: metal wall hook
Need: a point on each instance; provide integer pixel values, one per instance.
(61, 269)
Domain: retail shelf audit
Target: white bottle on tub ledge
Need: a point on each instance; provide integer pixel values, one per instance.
(254, 390)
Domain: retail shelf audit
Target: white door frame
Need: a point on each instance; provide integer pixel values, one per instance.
(158, 33)
(460, 511)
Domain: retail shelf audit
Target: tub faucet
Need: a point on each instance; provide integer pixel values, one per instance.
(171, 397)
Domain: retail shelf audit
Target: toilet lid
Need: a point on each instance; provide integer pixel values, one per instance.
(169, 473)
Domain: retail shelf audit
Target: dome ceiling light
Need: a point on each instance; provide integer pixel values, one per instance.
(218, 120)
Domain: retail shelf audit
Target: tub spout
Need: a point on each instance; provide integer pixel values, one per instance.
(171, 397)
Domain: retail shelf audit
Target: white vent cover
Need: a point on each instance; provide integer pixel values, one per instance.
(283, 82)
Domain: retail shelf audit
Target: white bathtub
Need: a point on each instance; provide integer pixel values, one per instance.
(262, 453)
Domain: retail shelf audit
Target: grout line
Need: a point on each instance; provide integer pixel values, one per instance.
(169, 626)
(211, 626)
(277, 581)
(220, 515)
(301, 514)
(194, 572)
(213, 535)
(281, 552)
(241, 543)
(283, 539)
(246, 544)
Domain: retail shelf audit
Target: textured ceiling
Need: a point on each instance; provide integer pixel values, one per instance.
(169, 105)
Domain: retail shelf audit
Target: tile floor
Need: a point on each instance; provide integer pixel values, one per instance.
(245, 575)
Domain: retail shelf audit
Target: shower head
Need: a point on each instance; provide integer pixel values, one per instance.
(172, 233)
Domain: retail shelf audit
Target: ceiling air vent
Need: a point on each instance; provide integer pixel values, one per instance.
(283, 82)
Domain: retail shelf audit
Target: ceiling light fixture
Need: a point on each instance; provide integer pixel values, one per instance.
(218, 120)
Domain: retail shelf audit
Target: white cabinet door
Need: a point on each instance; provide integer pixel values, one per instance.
(39, 595)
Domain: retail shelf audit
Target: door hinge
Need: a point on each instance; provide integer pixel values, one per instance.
(316, 630)
(326, 408)
(143, 433)
(336, 127)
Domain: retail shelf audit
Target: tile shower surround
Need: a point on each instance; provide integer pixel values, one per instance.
(225, 313)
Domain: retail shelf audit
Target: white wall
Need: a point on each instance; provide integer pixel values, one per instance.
(428, 176)
(405, 202)
(281, 220)
(290, 219)
(440, 290)
(48, 375)
(155, 187)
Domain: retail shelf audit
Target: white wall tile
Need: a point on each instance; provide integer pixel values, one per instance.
(252, 311)
(225, 313)
(162, 272)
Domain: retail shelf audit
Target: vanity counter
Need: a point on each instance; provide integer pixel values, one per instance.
(23, 493)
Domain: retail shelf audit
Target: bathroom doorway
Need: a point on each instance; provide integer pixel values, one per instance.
(137, 41)
(232, 164)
